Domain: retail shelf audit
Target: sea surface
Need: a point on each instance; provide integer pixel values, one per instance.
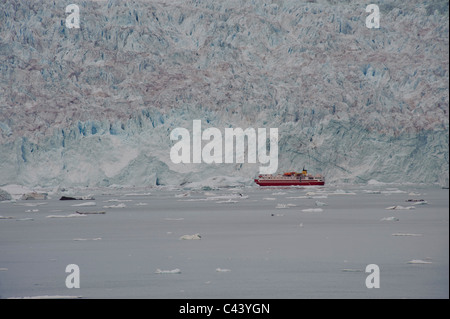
(236, 242)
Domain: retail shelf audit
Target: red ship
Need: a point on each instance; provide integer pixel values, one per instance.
(291, 179)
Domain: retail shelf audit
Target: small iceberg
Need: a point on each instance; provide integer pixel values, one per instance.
(312, 210)
(398, 207)
(223, 270)
(65, 216)
(191, 237)
(419, 261)
(121, 205)
(392, 218)
(85, 204)
(174, 271)
(318, 203)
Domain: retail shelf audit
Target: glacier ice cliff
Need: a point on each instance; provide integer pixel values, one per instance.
(95, 106)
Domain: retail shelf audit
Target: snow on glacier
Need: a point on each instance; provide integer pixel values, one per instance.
(95, 106)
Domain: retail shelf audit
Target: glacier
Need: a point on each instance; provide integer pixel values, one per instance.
(95, 106)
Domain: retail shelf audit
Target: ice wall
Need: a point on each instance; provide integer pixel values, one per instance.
(95, 105)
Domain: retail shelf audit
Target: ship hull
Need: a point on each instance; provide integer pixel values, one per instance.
(296, 182)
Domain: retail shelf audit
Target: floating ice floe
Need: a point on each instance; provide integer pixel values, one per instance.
(351, 270)
(231, 196)
(413, 194)
(223, 270)
(312, 210)
(24, 219)
(278, 193)
(168, 218)
(117, 200)
(138, 194)
(6, 217)
(3, 269)
(34, 196)
(269, 198)
(420, 203)
(87, 239)
(31, 204)
(318, 203)
(406, 234)
(398, 207)
(393, 191)
(92, 213)
(281, 206)
(392, 218)
(419, 261)
(85, 204)
(183, 195)
(31, 210)
(173, 271)
(191, 237)
(141, 204)
(229, 201)
(65, 216)
(340, 192)
(367, 191)
(121, 205)
(48, 297)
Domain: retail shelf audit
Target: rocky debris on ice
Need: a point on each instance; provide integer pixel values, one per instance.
(87, 197)
(173, 271)
(191, 237)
